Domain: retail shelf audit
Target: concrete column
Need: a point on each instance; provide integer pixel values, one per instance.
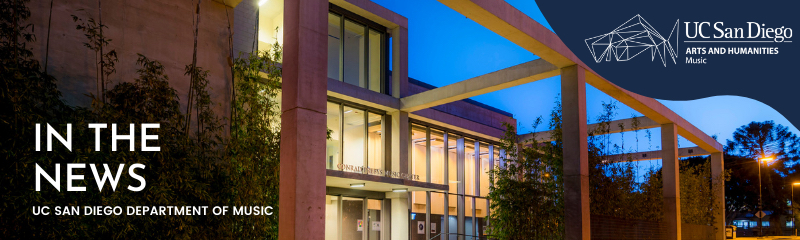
(386, 219)
(717, 168)
(576, 153)
(302, 167)
(427, 215)
(399, 212)
(670, 167)
(399, 62)
(400, 141)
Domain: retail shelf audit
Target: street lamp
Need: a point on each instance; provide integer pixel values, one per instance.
(791, 204)
(760, 202)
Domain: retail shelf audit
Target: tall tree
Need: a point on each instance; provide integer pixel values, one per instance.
(754, 141)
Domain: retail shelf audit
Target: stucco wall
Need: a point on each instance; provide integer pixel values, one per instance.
(161, 30)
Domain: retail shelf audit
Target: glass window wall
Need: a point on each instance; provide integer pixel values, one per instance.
(452, 162)
(355, 137)
(354, 53)
(437, 156)
(375, 60)
(357, 50)
(332, 217)
(419, 148)
(270, 24)
(373, 227)
(485, 160)
(375, 141)
(333, 142)
(463, 164)
(419, 164)
(480, 215)
(334, 46)
(353, 220)
(469, 167)
(437, 215)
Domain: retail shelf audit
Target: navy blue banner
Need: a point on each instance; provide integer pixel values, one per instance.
(685, 50)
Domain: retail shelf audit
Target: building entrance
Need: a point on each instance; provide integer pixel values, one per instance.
(353, 218)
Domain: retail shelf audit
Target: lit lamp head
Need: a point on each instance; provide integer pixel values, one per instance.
(766, 159)
(797, 183)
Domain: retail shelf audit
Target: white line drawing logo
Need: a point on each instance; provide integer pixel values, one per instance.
(632, 38)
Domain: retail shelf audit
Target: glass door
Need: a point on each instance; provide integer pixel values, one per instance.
(374, 219)
(353, 221)
(353, 218)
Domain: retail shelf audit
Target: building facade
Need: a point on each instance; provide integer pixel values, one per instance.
(401, 159)
(438, 189)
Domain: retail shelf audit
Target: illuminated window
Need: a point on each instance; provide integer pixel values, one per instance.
(419, 166)
(375, 141)
(437, 156)
(332, 217)
(485, 159)
(354, 132)
(270, 23)
(461, 163)
(356, 50)
(356, 137)
(452, 162)
(419, 145)
(333, 143)
(334, 46)
(469, 166)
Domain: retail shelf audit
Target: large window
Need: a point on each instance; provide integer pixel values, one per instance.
(332, 145)
(419, 145)
(485, 166)
(353, 218)
(463, 163)
(356, 50)
(355, 136)
(270, 23)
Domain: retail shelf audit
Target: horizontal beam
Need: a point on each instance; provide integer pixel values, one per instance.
(510, 23)
(614, 127)
(655, 111)
(653, 155)
(513, 76)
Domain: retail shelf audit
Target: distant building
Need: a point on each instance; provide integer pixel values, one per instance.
(747, 224)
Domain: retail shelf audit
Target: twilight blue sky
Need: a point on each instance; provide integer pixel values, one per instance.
(445, 47)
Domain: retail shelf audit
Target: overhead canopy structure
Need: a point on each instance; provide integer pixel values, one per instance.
(510, 23)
